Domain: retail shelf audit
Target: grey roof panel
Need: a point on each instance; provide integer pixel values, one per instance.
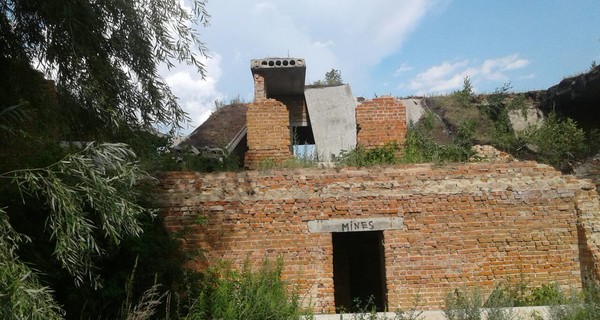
(332, 118)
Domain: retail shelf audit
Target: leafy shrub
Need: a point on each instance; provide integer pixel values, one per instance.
(363, 157)
(577, 305)
(465, 96)
(558, 141)
(246, 294)
(420, 146)
(368, 311)
(463, 305)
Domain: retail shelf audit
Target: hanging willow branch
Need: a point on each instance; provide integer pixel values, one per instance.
(87, 193)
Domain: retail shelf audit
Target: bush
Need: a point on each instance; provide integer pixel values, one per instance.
(246, 294)
(465, 96)
(463, 305)
(558, 141)
(573, 305)
(363, 157)
(420, 146)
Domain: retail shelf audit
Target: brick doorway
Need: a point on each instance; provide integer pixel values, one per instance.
(358, 270)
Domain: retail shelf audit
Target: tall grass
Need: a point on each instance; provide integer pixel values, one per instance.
(247, 294)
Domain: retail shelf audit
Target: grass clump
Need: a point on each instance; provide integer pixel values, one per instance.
(577, 305)
(368, 311)
(421, 147)
(363, 157)
(247, 294)
(464, 305)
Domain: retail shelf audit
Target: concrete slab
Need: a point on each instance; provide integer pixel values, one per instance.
(414, 109)
(283, 76)
(356, 225)
(331, 113)
(523, 313)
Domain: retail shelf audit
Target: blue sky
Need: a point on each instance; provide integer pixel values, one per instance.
(402, 48)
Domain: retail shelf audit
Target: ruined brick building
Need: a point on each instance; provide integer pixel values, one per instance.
(387, 232)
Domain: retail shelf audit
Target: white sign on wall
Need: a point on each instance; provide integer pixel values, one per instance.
(355, 225)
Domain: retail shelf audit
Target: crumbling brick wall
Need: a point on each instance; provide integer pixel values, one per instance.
(297, 108)
(260, 91)
(464, 224)
(379, 121)
(268, 136)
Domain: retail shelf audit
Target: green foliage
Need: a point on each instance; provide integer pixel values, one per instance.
(363, 157)
(557, 141)
(575, 304)
(96, 180)
(563, 304)
(182, 161)
(332, 78)
(246, 294)
(88, 196)
(368, 311)
(68, 210)
(497, 108)
(499, 306)
(465, 96)
(520, 293)
(105, 55)
(420, 146)
(158, 265)
(463, 305)
(22, 296)
(593, 141)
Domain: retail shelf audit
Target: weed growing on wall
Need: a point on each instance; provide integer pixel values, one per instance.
(564, 304)
(464, 305)
(557, 141)
(363, 157)
(465, 96)
(247, 294)
(367, 311)
(577, 305)
(420, 146)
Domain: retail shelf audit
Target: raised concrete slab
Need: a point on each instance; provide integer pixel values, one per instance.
(283, 76)
(331, 112)
(414, 109)
(522, 313)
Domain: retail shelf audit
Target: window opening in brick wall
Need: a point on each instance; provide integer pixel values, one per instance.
(303, 143)
(358, 270)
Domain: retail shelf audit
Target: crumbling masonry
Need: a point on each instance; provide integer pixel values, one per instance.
(390, 232)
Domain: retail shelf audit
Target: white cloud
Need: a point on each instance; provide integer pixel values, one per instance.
(196, 95)
(351, 35)
(262, 7)
(449, 76)
(403, 68)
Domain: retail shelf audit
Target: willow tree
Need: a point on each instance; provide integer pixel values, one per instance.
(104, 59)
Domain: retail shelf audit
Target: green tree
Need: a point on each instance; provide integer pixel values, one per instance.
(68, 206)
(465, 95)
(558, 141)
(332, 78)
(105, 54)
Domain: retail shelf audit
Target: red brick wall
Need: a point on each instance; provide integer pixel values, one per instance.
(268, 126)
(297, 107)
(260, 91)
(466, 224)
(381, 120)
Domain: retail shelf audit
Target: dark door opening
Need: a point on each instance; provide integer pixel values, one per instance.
(358, 270)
